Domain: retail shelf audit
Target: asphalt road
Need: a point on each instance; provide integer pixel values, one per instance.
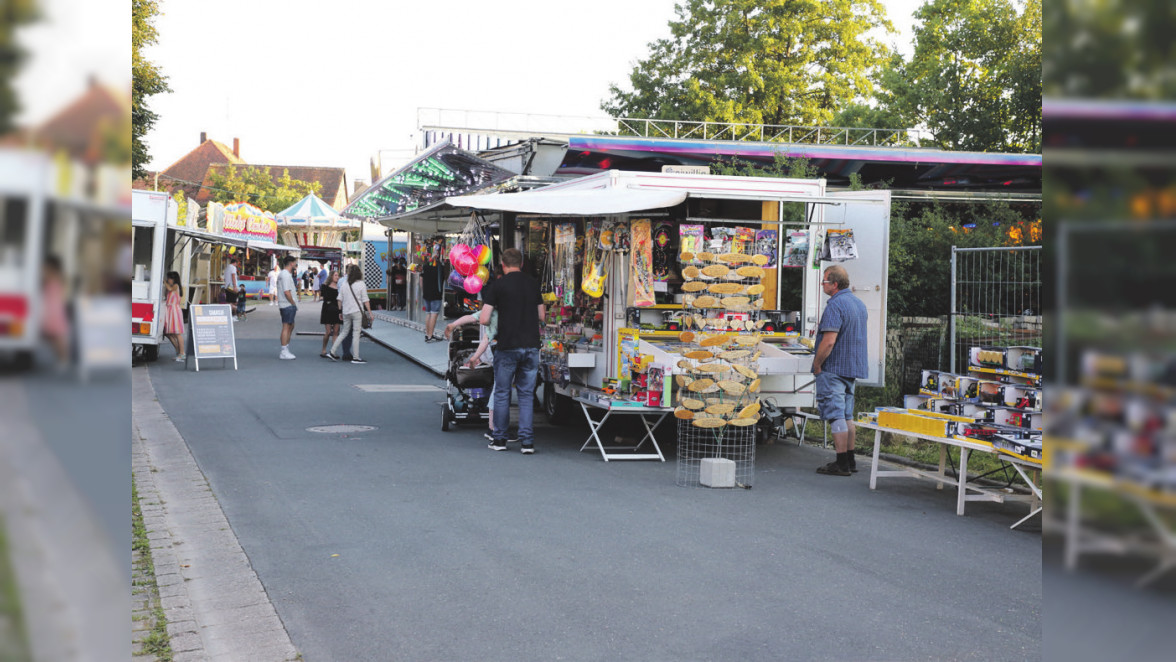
(409, 543)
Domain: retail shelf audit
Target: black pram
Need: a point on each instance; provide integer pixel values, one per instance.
(467, 390)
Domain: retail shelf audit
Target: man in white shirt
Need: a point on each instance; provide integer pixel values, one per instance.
(271, 282)
(230, 285)
(287, 303)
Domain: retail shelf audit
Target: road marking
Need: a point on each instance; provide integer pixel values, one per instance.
(341, 429)
(398, 388)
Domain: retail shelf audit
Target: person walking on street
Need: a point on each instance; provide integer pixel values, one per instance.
(330, 317)
(432, 289)
(314, 284)
(271, 285)
(287, 303)
(323, 274)
(230, 285)
(840, 360)
(516, 356)
(354, 301)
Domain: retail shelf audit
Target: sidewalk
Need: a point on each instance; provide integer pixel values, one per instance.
(393, 330)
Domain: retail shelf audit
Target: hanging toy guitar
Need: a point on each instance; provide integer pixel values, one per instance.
(593, 283)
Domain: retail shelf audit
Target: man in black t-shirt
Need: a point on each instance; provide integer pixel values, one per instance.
(516, 356)
(432, 287)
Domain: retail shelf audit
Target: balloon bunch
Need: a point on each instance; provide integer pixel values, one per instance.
(470, 267)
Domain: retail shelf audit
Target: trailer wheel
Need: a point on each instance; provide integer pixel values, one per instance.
(445, 417)
(150, 352)
(558, 408)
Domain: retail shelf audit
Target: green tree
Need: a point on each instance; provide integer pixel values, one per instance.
(757, 61)
(974, 80)
(1110, 49)
(13, 14)
(147, 81)
(257, 187)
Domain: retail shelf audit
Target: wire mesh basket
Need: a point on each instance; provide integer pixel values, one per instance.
(729, 442)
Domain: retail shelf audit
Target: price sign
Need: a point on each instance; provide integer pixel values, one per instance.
(212, 333)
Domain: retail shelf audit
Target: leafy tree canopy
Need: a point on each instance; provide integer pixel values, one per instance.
(974, 80)
(13, 14)
(257, 187)
(147, 80)
(757, 61)
(1110, 49)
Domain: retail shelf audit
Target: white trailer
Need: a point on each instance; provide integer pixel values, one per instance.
(25, 179)
(159, 245)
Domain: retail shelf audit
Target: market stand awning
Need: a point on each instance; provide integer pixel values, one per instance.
(313, 211)
(615, 192)
(593, 202)
(259, 245)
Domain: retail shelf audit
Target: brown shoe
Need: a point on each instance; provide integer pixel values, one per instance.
(832, 469)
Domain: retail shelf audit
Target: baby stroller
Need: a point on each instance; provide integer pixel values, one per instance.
(467, 390)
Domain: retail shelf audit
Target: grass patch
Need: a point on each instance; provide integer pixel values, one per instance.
(156, 641)
(14, 644)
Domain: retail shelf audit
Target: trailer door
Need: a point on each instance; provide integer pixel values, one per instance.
(869, 218)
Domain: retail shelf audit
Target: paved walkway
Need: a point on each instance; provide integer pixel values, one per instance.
(216, 607)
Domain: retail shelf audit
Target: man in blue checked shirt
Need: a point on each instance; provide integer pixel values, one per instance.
(839, 362)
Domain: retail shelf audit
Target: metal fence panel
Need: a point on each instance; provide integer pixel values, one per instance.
(995, 299)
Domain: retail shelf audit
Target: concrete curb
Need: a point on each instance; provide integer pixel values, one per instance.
(407, 324)
(215, 605)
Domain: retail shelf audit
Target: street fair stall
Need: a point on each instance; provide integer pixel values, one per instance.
(996, 407)
(242, 221)
(412, 199)
(663, 295)
(159, 244)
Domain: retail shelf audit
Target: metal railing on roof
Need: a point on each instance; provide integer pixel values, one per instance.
(517, 125)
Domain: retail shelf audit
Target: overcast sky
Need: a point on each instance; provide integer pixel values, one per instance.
(304, 82)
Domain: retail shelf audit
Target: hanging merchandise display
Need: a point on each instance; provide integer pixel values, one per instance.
(641, 263)
(596, 271)
(795, 249)
(564, 263)
(765, 244)
(663, 251)
(471, 258)
(718, 397)
(839, 246)
(691, 238)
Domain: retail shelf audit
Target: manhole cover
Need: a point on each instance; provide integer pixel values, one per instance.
(341, 429)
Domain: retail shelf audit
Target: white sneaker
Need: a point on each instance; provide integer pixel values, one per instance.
(286, 354)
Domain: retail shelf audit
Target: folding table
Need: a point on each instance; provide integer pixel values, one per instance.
(651, 417)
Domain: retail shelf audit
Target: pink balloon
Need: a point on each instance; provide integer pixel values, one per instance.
(472, 284)
(466, 264)
(457, 252)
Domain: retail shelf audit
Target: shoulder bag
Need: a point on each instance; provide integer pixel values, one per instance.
(364, 314)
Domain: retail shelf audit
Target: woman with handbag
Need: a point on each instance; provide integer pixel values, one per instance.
(357, 310)
(330, 317)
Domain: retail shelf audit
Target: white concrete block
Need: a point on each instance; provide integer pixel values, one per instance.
(717, 472)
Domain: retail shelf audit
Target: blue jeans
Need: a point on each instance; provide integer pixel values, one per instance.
(519, 367)
(835, 396)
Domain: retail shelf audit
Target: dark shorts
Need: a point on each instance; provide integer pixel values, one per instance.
(433, 305)
(288, 314)
(835, 396)
(230, 296)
